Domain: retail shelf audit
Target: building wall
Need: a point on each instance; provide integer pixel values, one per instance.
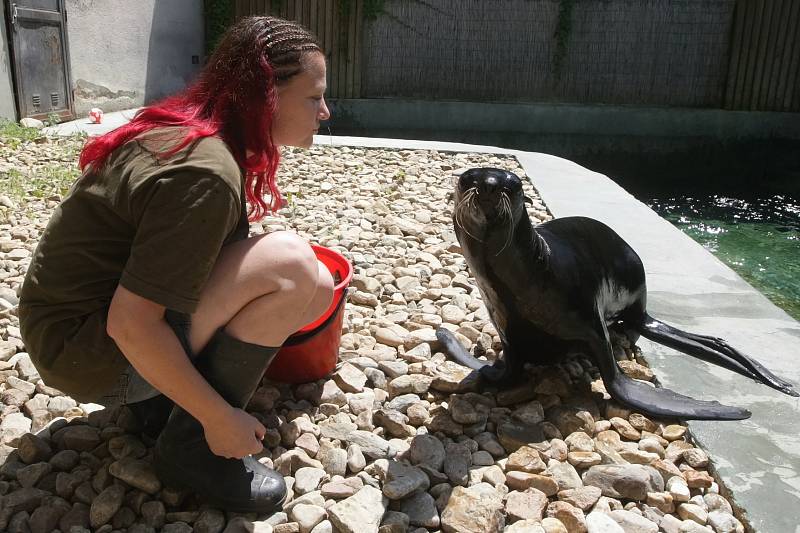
(8, 107)
(126, 54)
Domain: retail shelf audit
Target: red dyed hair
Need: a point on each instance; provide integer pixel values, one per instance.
(234, 97)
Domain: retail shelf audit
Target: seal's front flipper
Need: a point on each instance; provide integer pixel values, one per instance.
(451, 346)
(664, 403)
(499, 373)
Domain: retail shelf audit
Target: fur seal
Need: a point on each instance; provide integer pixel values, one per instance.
(558, 288)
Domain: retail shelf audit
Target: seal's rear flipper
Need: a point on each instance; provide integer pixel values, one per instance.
(649, 400)
(712, 350)
(664, 403)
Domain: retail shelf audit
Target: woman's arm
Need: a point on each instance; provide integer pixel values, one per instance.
(138, 327)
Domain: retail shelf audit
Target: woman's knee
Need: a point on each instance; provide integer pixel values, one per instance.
(323, 296)
(291, 264)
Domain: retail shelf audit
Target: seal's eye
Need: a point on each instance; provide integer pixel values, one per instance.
(468, 180)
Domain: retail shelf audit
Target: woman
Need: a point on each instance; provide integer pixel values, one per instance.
(145, 283)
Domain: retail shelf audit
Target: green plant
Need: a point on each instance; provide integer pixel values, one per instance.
(12, 133)
(52, 119)
(44, 182)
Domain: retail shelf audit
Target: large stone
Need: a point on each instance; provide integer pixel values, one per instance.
(525, 526)
(30, 475)
(45, 518)
(522, 481)
(583, 498)
(13, 427)
(421, 510)
(598, 522)
(631, 482)
(527, 505)
(370, 444)
(33, 449)
(452, 377)
(136, 473)
(307, 516)
(565, 475)
(80, 438)
(25, 499)
(428, 450)
(334, 460)
(77, 517)
(361, 513)
(409, 384)
(208, 521)
(477, 509)
(514, 435)
(403, 480)
(29, 122)
(633, 522)
(350, 379)
(569, 419)
(457, 461)
(307, 479)
(570, 516)
(105, 505)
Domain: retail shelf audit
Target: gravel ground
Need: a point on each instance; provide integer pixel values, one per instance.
(397, 438)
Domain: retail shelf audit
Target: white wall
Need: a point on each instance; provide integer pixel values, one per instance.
(124, 54)
(8, 108)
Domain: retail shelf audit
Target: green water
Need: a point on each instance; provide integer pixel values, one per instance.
(758, 238)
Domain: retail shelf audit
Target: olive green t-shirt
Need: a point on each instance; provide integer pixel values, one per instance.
(154, 225)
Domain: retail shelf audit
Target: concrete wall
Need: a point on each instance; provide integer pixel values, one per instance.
(125, 54)
(8, 108)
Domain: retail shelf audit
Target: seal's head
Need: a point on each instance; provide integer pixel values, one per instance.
(487, 199)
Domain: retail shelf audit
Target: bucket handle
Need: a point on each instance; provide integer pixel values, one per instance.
(298, 339)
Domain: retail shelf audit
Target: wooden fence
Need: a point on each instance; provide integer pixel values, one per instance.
(748, 59)
(764, 70)
(339, 34)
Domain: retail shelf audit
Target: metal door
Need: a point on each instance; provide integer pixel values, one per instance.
(41, 66)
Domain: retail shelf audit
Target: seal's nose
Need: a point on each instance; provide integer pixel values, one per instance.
(489, 185)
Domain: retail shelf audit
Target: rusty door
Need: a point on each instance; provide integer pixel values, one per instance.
(39, 49)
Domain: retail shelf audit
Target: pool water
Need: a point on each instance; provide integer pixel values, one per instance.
(759, 238)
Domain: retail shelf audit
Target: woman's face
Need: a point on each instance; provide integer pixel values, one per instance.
(301, 104)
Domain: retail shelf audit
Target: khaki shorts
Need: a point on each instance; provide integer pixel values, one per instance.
(131, 387)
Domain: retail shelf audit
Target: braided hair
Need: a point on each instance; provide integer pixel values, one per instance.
(233, 97)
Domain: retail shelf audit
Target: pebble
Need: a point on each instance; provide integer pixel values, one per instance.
(476, 509)
(359, 513)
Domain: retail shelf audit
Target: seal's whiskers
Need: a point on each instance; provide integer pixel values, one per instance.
(505, 212)
(467, 199)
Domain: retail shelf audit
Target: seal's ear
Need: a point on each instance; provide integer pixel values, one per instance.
(528, 200)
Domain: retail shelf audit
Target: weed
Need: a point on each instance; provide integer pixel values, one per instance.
(43, 182)
(13, 133)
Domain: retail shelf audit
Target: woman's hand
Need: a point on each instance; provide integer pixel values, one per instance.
(236, 435)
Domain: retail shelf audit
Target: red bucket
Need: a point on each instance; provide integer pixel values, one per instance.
(311, 353)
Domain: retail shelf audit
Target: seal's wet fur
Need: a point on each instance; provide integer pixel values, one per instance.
(557, 289)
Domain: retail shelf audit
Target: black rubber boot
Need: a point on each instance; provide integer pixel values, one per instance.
(152, 414)
(182, 456)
